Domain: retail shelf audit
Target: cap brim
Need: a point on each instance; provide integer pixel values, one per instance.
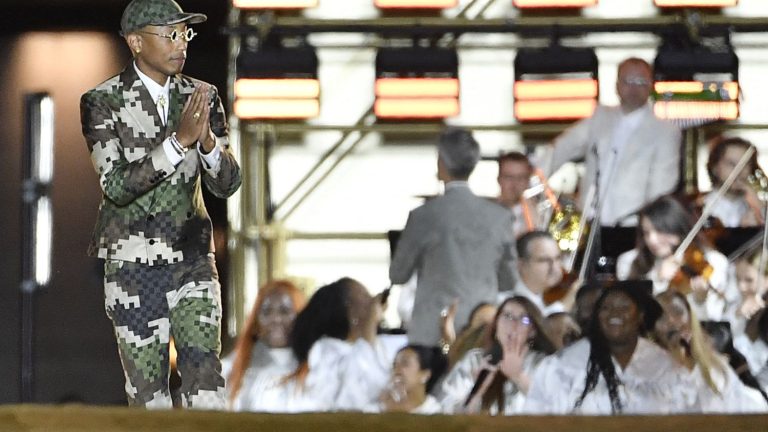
(190, 18)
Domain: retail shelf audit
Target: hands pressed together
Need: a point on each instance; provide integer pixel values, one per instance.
(194, 125)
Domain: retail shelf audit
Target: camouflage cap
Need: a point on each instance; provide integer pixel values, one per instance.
(140, 13)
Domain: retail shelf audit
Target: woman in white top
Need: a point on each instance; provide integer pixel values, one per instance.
(342, 363)
(414, 372)
(751, 296)
(719, 388)
(614, 370)
(520, 339)
(664, 223)
(257, 368)
(739, 206)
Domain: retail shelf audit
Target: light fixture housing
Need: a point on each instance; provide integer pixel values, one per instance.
(274, 4)
(415, 4)
(695, 3)
(552, 4)
(695, 84)
(416, 83)
(276, 82)
(555, 84)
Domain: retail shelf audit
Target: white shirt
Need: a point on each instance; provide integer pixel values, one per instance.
(346, 375)
(714, 306)
(212, 160)
(733, 398)
(458, 383)
(730, 210)
(627, 123)
(757, 356)
(652, 383)
(263, 387)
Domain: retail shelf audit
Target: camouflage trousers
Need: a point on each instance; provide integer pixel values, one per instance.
(150, 304)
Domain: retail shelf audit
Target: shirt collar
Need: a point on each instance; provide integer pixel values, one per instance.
(155, 89)
(455, 184)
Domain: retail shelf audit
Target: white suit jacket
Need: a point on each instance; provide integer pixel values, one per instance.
(648, 165)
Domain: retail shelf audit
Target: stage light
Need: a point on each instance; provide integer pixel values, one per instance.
(274, 4)
(416, 83)
(548, 4)
(695, 3)
(415, 4)
(696, 84)
(276, 82)
(555, 84)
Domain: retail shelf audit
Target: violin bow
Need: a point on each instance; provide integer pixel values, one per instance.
(710, 205)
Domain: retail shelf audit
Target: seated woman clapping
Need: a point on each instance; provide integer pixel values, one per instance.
(499, 372)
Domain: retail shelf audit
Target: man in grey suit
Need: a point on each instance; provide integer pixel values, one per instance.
(459, 245)
(632, 154)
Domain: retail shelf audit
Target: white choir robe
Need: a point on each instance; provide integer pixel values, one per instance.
(346, 376)
(756, 353)
(428, 407)
(734, 397)
(459, 381)
(263, 388)
(652, 383)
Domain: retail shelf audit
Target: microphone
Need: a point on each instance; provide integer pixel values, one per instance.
(496, 354)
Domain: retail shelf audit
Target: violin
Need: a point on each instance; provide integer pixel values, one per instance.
(692, 258)
(694, 264)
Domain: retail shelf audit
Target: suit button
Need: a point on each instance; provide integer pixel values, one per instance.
(151, 242)
(189, 215)
(151, 218)
(162, 173)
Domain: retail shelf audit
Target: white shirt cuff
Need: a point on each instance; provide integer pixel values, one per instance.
(212, 160)
(173, 156)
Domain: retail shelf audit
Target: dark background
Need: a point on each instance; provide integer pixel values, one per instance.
(75, 352)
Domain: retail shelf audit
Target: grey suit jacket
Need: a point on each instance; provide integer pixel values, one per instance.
(648, 165)
(460, 246)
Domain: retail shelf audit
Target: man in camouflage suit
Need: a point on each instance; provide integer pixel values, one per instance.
(154, 136)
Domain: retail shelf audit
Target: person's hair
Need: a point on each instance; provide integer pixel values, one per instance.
(514, 156)
(458, 151)
(600, 360)
(326, 314)
(523, 243)
(667, 215)
(700, 349)
(589, 286)
(250, 331)
(718, 150)
(757, 326)
(431, 359)
(636, 61)
(542, 343)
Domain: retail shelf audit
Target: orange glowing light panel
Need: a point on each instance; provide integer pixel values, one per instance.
(274, 4)
(695, 3)
(277, 98)
(277, 88)
(416, 107)
(555, 89)
(568, 109)
(415, 4)
(277, 108)
(731, 88)
(417, 87)
(522, 4)
(692, 110)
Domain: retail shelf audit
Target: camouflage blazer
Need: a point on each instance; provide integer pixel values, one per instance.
(151, 212)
